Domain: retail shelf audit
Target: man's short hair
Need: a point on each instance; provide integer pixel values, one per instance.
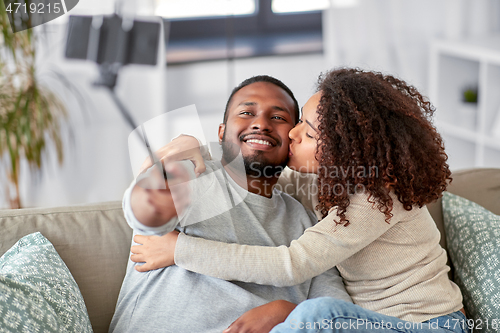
(268, 79)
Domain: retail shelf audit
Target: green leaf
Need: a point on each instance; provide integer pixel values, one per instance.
(30, 114)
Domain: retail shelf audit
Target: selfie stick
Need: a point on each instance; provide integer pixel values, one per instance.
(108, 79)
(113, 42)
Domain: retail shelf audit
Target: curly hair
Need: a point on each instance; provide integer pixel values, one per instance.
(377, 130)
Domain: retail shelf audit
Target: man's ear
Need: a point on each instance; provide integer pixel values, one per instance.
(222, 128)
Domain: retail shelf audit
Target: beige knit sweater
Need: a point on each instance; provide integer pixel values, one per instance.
(398, 269)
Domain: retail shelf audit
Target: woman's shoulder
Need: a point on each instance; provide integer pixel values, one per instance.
(365, 205)
(291, 176)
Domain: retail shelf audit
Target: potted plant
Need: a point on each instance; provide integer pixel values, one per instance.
(467, 112)
(30, 114)
(470, 95)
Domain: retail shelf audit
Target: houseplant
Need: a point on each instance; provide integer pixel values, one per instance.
(30, 114)
(467, 111)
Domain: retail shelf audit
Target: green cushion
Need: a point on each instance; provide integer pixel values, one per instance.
(38, 292)
(473, 236)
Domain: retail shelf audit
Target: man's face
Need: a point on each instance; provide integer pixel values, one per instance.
(259, 118)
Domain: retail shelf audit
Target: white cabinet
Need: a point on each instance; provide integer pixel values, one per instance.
(470, 131)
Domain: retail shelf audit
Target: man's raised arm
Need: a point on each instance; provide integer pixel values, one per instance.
(152, 204)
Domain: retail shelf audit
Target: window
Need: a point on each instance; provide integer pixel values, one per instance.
(176, 9)
(252, 28)
(294, 6)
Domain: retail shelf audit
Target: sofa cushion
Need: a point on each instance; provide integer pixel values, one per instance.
(473, 236)
(37, 291)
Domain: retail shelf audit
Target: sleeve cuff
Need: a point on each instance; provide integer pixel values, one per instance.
(179, 248)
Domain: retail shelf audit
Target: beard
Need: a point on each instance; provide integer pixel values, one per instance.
(257, 165)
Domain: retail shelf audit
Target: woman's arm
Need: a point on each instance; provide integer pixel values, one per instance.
(320, 248)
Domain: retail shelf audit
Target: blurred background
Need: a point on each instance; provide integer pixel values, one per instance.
(448, 49)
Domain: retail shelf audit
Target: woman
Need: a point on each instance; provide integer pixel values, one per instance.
(378, 161)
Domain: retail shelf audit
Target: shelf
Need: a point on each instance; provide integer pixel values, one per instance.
(484, 49)
(467, 134)
(492, 142)
(466, 128)
(457, 131)
(466, 158)
(491, 158)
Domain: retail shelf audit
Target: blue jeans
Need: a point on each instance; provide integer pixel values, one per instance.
(326, 314)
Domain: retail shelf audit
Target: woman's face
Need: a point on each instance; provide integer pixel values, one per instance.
(304, 139)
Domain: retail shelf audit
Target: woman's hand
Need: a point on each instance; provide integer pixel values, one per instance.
(185, 147)
(155, 251)
(262, 319)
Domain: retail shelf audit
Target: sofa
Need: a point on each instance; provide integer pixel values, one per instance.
(94, 240)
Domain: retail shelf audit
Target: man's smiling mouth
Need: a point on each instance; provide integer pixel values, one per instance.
(259, 139)
(262, 142)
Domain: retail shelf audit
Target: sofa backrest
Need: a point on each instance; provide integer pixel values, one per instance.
(479, 185)
(94, 242)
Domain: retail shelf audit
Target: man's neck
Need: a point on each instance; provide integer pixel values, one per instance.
(257, 185)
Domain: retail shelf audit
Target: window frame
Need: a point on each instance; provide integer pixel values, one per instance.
(263, 23)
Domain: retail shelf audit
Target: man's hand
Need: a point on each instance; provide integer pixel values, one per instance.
(155, 201)
(155, 251)
(185, 147)
(262, 319)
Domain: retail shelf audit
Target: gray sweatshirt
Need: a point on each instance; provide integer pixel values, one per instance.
(175, 300)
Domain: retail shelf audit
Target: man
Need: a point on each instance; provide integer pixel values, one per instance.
(233, 205)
